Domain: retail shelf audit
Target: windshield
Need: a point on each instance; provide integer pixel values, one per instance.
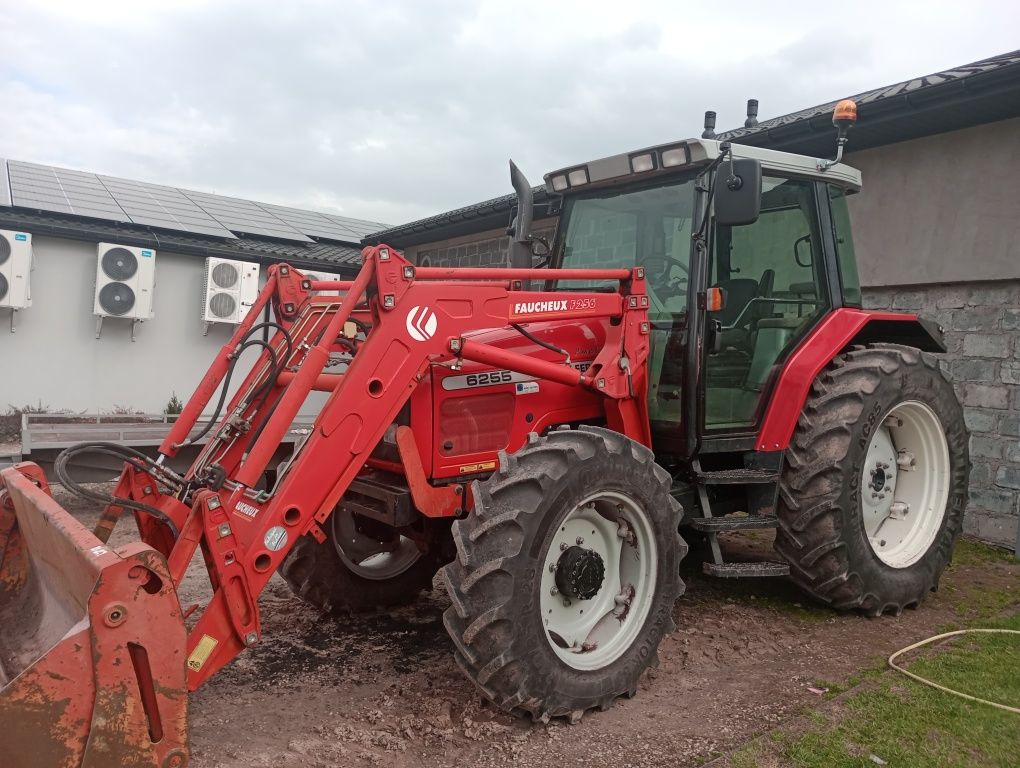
(649, 227)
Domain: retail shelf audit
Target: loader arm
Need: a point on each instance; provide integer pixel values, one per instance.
(406, 319)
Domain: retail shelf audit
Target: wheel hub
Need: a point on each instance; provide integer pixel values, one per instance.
(905, 484)
(580, 573)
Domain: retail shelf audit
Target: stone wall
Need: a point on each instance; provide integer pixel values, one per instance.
(982, 325)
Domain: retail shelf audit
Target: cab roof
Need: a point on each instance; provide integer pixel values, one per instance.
(667, 159)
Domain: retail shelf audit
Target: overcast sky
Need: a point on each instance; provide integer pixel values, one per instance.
(396, 110)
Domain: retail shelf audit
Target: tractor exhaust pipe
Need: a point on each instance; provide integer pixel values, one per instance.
(520, 246)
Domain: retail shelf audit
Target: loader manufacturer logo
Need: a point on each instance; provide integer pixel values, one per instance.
(533, 307)
(421, 323)
(246, 509)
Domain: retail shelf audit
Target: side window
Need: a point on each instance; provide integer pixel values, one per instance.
(845, 247)
(773, 275)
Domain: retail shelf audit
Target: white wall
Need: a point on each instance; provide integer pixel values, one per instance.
(54, 357)
(940, 209)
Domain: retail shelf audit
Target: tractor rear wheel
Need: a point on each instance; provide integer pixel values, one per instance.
(350, 571)
(566, 573)
(875, 485)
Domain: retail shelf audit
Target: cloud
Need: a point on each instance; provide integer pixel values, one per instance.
(391, 111)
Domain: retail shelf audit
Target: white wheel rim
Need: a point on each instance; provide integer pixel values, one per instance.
(370, 558)
(593, 633)
(384, 565)
(905, 484)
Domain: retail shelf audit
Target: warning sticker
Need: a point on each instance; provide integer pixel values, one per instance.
(202, 652)
(482, 466)
(275, 538)
(527, 387)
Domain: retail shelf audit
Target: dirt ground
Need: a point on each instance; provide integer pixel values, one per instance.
(383, 690)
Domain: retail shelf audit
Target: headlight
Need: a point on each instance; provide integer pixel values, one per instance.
(642, 163)
(674, 156)
(559, 183)
(578, 177)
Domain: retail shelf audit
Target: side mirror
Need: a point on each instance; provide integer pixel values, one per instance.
(738, 192)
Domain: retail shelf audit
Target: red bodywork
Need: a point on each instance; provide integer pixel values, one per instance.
(422, 325)
(828, 339)
(471, 393)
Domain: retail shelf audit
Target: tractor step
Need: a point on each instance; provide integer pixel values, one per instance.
(745, 570)
(723, 524)
(737, 476)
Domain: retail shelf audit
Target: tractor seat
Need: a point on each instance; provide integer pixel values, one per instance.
(774, 334)
(739, 292)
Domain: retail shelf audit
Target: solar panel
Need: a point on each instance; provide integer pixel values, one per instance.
(62, 191)
(153, 205)
(313, 224)
(359, 226)
(244, 216)
(5, 184)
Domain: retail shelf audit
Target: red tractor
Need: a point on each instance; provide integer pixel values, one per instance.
(693, 357)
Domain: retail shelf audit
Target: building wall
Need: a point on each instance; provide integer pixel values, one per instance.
(945, 207)
(485, 249)
(54, 359)
(982, 326)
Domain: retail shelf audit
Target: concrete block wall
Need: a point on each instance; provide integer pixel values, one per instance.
(982, 326)
(490, 250)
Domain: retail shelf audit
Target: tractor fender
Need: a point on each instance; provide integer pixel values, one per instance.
(840, 329)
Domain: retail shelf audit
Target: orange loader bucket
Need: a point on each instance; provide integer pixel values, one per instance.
(92, 642)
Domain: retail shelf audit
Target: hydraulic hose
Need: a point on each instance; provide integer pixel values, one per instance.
(127, 454)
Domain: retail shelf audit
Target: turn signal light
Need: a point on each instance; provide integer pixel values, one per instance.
(715, 299)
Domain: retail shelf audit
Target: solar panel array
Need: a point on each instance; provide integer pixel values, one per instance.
(163, 207)
(62, 191)
(45, 188)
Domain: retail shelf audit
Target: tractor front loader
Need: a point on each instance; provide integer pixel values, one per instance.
(693, 357)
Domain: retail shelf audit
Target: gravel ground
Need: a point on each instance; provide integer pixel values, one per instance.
(383, 690)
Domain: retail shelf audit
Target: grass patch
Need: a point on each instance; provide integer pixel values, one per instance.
(909, 725)
(973, 552)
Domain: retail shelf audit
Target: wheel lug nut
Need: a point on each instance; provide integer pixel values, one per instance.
(552, 567)
(563, 546)
(553, 590)
(579, 541)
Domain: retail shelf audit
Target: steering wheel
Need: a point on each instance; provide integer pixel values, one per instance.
(659, 272)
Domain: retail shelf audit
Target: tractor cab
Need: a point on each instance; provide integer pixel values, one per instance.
(744, 251)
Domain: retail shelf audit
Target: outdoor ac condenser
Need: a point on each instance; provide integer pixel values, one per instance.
(125, 281)
(15, 269)
(231, 288)
(317, 275)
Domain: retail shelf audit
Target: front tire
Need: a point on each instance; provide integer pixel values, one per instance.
(577, 521)
(875, 486)
(338, 581)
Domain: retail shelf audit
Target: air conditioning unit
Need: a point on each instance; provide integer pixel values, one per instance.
(231, 288)
(15, 269)
(317, 275)
(125, 280)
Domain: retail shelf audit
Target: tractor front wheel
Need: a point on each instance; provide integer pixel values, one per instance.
(566, 573)
(875, 485)
(352, 571)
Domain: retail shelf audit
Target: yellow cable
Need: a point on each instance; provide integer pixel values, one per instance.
(918, 678)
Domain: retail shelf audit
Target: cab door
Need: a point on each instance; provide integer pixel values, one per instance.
(776, 284)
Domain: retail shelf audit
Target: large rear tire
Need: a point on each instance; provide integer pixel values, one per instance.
(566, 573)
(875, 486)
(342, 580)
